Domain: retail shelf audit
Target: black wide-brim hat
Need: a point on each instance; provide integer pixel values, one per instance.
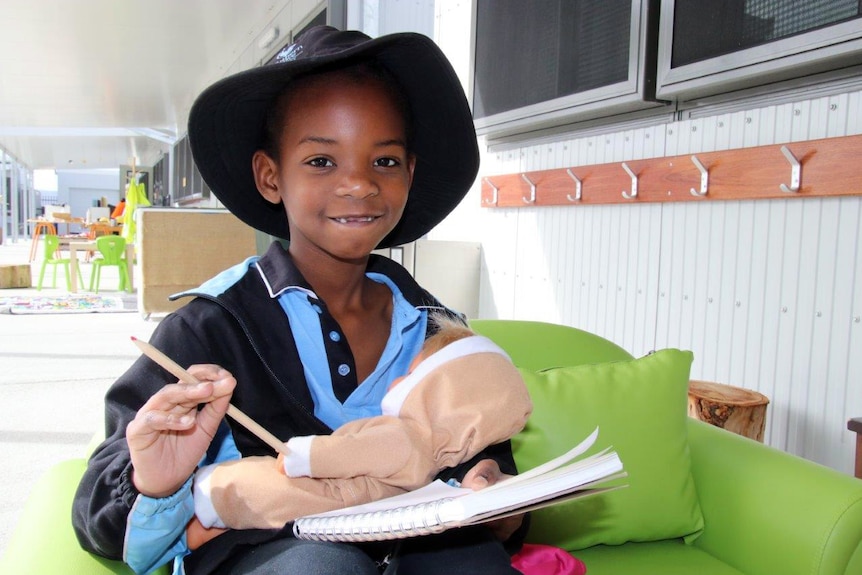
(226, 126)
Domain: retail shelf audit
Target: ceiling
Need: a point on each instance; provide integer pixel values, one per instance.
(94, 83)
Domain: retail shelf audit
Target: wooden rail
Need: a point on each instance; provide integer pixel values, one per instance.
(812, 168)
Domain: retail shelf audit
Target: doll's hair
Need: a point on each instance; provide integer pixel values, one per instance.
(448, 329)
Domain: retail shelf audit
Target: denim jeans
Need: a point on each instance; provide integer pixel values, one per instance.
(468, 551)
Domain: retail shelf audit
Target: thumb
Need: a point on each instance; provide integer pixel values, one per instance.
(479, 482)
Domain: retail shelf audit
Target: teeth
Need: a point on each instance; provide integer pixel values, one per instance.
(348, 220)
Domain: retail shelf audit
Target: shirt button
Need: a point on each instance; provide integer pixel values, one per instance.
(343, 369)
(316, 308)
(334, 336)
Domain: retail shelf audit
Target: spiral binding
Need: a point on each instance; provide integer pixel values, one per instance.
(407, 521)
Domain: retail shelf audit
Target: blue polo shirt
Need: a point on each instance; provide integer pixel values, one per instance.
(328, 362)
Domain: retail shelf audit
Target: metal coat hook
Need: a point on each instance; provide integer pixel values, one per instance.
(532, 199)
(704, 178)
(578, 187)
(795, 172)
(493, 201)
(634, 193)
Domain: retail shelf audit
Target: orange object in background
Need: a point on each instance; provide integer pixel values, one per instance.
(118, 210)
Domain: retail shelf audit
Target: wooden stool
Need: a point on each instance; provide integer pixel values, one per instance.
(15, 276)
(38, 229)
(855, 425)
(735, 409)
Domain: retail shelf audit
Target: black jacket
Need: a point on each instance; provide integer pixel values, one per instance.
(244, 330)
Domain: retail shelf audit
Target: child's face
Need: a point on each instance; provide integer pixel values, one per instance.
(344, 171)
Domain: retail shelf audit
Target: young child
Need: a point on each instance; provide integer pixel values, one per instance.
(347, 145)
(462, 393)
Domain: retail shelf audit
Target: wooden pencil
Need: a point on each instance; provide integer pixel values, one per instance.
(177, 371)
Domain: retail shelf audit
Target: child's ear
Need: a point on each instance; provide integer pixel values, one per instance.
(411, 166)
(266, 176)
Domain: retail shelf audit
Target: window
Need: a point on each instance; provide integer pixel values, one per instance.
(551, 62)
(708, 47)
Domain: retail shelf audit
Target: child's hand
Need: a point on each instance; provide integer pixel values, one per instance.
(485, 474)
(170, 435)
(197, 534)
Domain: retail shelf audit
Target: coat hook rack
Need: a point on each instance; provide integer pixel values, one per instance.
(578, 187)
(532, 199)
(704, 178)
(493, 201)
(634, 192)
(746, 173)
(795, 172)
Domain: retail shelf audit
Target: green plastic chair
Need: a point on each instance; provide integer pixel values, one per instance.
(112, 250)
(51, 257)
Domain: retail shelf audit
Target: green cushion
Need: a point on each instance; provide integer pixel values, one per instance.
(640, 407)
(43, 540)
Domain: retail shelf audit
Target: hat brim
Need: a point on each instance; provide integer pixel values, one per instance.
(226, 128)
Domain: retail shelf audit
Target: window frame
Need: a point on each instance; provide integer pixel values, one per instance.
(633, 94)
(823, 50)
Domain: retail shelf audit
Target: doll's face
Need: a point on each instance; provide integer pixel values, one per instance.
(344, 170)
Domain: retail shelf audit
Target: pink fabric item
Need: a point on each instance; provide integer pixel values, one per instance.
(535, 559)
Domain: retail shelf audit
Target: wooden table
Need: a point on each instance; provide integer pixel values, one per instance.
(95, 229)
(90, 245)
(48, 226)
(855, 425)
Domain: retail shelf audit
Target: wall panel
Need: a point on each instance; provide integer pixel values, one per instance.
(767, 293)
(764, 292)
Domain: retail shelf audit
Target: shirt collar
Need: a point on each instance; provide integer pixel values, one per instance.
(279, 274)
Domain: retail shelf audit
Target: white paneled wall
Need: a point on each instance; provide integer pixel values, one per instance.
(768, 293)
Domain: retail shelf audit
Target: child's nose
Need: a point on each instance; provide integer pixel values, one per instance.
(358, 184)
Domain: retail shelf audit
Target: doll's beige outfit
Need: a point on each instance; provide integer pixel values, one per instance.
(455, 403)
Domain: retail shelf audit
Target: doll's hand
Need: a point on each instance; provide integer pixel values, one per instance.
(484, 474)
(197, 534)
(280, 460)
(170, 435)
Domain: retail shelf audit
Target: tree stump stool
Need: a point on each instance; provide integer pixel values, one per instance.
(735, 409)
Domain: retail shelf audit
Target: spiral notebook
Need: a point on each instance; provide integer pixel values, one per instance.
(439, 506)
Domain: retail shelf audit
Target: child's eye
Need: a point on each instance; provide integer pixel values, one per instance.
(320, 163)
(387, 163)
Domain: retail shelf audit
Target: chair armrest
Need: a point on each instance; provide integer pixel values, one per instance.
(43, 540)
(766, 511)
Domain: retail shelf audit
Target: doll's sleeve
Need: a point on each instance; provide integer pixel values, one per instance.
(251, 493)
(384, 447)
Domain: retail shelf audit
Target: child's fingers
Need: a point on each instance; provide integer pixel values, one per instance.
(222, 380)
(168, 421)
(190, 395)
(484, 474)
(208, 371)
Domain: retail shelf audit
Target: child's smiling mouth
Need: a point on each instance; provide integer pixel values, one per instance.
(354, 219)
